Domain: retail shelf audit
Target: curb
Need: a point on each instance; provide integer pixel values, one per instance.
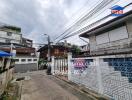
(20, 90)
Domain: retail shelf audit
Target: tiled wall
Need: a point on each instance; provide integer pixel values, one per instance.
(115, 76)
(85, 75)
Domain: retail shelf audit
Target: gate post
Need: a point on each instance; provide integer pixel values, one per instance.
(52, 66)
(69, 65)
(99, 76)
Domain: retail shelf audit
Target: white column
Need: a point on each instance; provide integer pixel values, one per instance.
(69, 65)
(52, 66)
(99, 76)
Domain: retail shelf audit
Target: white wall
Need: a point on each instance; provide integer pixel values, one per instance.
(26, 60)
(102, 77)
(15, 37)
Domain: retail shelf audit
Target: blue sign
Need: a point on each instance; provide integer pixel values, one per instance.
(117, 10)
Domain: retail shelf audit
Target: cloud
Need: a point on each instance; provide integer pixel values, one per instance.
(37, 17)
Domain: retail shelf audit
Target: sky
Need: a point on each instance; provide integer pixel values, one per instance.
(39, 17)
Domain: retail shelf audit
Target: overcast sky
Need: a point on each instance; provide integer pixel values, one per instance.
(37, 17)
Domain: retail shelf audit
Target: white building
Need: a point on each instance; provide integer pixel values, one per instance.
(10, 34)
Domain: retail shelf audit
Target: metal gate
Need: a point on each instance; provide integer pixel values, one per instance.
(61, 65)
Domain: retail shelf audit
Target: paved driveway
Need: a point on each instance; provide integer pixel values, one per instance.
(43, 87)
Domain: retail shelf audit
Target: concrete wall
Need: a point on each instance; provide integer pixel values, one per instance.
(6, 75)
(21, 68)
(24, 64)
(113, 47)
(113, 80)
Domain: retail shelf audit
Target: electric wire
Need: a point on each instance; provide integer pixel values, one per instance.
(92, 18)
(96, 10)
(104, 1)
(70, 26)
(90, 25)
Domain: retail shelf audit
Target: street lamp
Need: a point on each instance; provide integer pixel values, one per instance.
(48, 39)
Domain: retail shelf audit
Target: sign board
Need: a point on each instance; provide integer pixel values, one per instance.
(80, 65)
(117, 10)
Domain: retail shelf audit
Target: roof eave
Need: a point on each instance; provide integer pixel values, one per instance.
(113, 22)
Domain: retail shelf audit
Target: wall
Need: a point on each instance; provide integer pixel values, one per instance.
(6, 74)
(108, 75)
(22, 68)
(83, 71)
(24, 64)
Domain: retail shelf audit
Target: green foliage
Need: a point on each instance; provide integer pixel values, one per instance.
(13, 28)
(75, 50)
(41, 61)
(11, 92)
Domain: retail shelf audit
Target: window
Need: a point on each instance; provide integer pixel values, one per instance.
(29, 59)
(113, 35)
(23, 60)
(34, 59)
(8, 41)
(9, 34)
(103, 38)
(118, 33)
(16, 60)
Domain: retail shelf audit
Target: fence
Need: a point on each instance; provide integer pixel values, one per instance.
(108, 75)
(60, 65)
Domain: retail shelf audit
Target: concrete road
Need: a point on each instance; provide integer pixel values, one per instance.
(43, 87)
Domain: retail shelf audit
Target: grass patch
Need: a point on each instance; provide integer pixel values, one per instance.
(11, 92)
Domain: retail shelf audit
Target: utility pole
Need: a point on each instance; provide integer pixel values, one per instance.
(48, 38)
(49, 48)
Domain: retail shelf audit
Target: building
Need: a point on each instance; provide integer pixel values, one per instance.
(111, 55)
(27, 42)
(84, 50)
(25, 57)
(112, 37)
(58, 55)
(10, 34)
(12, 41)
(56, 50)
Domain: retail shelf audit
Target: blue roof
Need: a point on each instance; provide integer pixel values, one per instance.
(3, 54)
(116, 7)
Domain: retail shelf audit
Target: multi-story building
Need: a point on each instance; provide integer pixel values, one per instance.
(11, 40)
(27, 42)
(10, 34)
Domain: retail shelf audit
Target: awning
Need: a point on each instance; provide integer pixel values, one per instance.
(2, 54)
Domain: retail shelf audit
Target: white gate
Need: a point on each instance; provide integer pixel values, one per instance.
(60, 65)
